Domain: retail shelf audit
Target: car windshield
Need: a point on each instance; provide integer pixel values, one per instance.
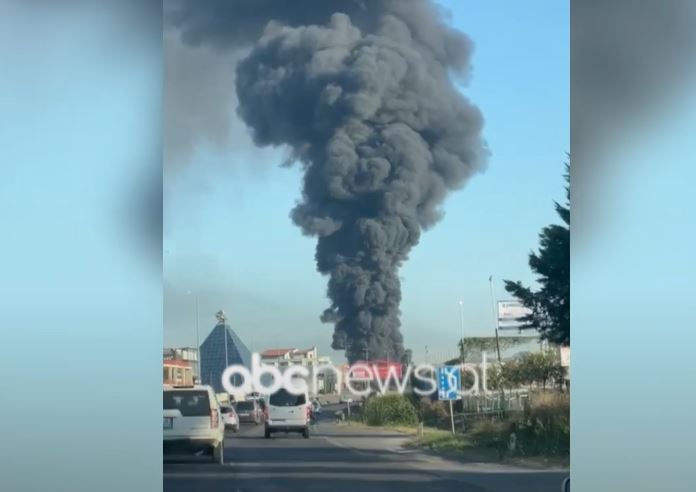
(225, 409)
(245, 406)
(189, 403)
(283, 398)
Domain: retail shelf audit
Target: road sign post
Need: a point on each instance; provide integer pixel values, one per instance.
(449, 382)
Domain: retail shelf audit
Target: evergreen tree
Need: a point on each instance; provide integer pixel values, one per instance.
(550, 305)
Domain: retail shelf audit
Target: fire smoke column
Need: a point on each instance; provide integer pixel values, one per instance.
(382, 135)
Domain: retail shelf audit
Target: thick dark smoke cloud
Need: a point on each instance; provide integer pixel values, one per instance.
(226, 24)
(361, 93)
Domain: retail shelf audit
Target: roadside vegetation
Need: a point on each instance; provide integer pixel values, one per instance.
(389, 410)
(538, 424)
(540, 430)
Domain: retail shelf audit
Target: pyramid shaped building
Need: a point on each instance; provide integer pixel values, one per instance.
(212, 355)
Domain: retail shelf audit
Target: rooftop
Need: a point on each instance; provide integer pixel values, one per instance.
(279, 352)
(276, 352)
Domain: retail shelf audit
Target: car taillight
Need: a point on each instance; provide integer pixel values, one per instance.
(309, 411)
(214, 419)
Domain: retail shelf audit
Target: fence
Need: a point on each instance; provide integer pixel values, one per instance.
(488, 406)
(473, 408)
(492, 403)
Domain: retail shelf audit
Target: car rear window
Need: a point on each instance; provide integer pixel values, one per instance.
(245, 405)
(189, 403)
(283, 398)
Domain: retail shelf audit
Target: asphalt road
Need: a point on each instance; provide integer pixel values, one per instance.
(339, 458)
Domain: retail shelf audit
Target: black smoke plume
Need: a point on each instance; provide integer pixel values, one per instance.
(362, 95)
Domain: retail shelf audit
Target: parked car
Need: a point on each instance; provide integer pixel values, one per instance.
(249, 411)
(193, 422)
(286, 412)
(229, 416)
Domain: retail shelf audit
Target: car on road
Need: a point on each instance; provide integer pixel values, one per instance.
(249, 411)
(287, 412)
(193, 422)
(229, 416)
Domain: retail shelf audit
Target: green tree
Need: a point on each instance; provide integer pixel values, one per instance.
(479, 345)
(542, 368)
(550, 305)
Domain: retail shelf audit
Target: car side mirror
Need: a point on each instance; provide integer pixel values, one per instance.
(566, 485)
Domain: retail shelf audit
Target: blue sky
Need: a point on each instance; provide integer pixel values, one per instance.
(229, 238)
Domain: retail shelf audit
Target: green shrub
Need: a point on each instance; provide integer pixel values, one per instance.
(389, 410)
(490, 433)
(434, 414)
(544, 427)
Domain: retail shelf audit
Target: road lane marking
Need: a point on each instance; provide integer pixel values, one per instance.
(386, 476)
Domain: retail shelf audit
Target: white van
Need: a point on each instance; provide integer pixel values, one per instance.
(286, 412)
(193, 422)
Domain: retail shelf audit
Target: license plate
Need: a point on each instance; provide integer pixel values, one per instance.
(168, 422)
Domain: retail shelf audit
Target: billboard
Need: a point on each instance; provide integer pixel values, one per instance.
(565, 356)
(510, 314)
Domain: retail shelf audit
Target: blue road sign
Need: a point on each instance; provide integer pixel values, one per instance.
(449, 382)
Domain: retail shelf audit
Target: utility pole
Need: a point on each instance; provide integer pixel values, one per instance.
(222, 321)
(224, 331)
(497, 341)
(461, 322)
(495, 318)
(198, 341)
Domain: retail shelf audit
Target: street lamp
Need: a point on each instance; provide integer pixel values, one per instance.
(495, 318)
(198, 339)
(222, 320)
(227, 359)
(461, 323)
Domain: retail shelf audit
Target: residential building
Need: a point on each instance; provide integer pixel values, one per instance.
(177, 372)
(285, 357)
(282, 358)
(189, 354)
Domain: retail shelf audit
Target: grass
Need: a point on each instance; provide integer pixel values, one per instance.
(458, 446)
(435, 439)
